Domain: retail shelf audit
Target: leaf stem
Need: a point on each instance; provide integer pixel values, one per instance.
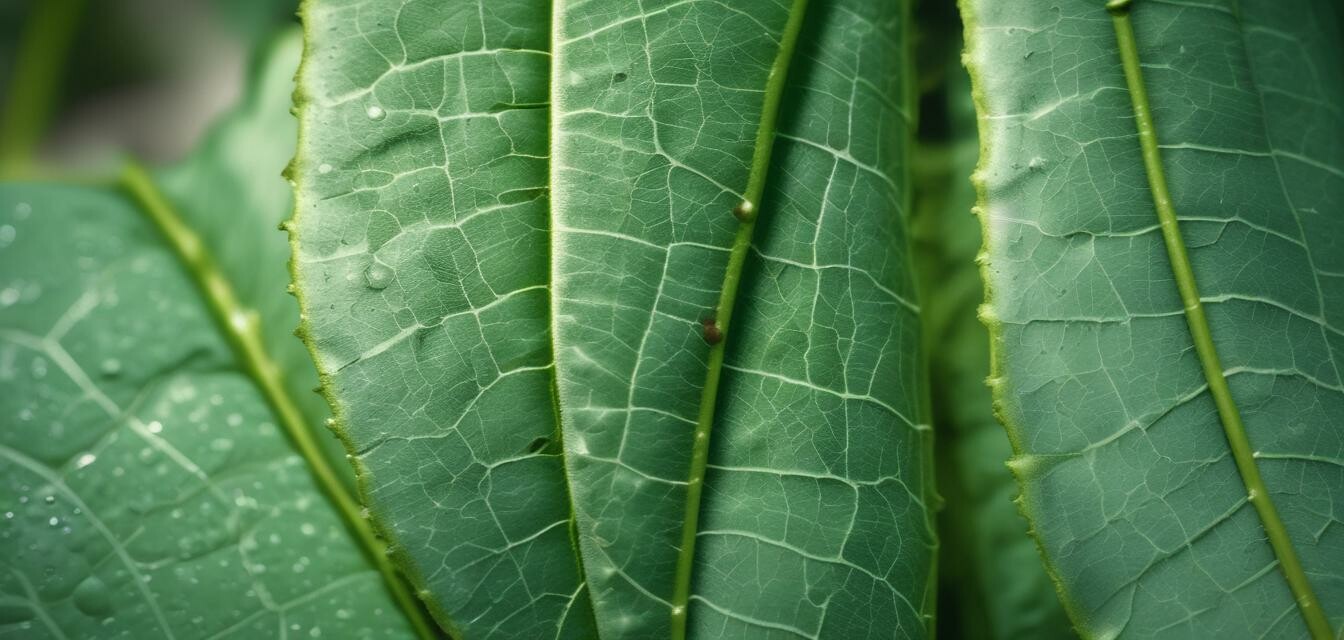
(1257, 493)
(241, 326)
(43, 48)
(747, 213)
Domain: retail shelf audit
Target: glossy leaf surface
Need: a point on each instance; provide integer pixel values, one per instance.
(469, 206)
(1127, 473)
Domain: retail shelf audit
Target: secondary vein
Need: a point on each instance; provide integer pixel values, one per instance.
(1229, 415)
(717, 328)
(241, 328)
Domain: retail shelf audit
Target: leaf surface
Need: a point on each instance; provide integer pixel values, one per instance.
(469, 206)
(149, 486)
(421, 263)
(991, 583)
(814, 504)
(1128, 473)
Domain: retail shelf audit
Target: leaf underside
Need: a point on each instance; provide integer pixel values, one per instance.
(1127, 474)
(469, 205)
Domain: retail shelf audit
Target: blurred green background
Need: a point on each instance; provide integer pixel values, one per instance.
(144, 77)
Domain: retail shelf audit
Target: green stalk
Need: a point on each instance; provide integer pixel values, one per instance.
(241, 327)
(1242, 453)
(43, 48)
(716, 329)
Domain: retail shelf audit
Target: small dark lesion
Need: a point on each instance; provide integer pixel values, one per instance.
(500, 107)
(711, 330)
(542, 445)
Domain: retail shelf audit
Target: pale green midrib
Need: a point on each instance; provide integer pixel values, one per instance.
(750, 205)
(553, 72)
(1257, 493)
(35, 77)
(241, 328)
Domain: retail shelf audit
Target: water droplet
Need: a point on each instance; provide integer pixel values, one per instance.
(376, 112)
(239, 320)
(54, 521)
(111, 367)
(7, 234)
(307, 529)
(8, 296)
(221, 444)
(22, 210)
(378, 275)
(93, 598)
(85, 460)
(324, 168)
(1036, 163)
(155, 427)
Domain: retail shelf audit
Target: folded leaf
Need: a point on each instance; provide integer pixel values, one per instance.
(1173, 391)
(516, 273)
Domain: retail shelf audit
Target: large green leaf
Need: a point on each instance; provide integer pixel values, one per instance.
(469, 206)
(1123, 417)
(991, 583)
(157, 480)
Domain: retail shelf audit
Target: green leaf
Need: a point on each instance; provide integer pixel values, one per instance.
(509, 263)
(231, 193)
(157, 478)
(1173, 391)
(992, 584)
(148, 486)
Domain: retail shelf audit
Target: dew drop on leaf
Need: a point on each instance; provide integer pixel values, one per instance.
(93, 598)
(378, 275)
(376, 112)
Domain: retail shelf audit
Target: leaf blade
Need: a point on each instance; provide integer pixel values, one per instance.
(171, 473)
(421, 267)
(633, 288)
(991, 581)
(1233, 142)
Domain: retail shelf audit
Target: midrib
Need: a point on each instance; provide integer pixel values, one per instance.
(1228, 413)
(241, 329)
(717, 329)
